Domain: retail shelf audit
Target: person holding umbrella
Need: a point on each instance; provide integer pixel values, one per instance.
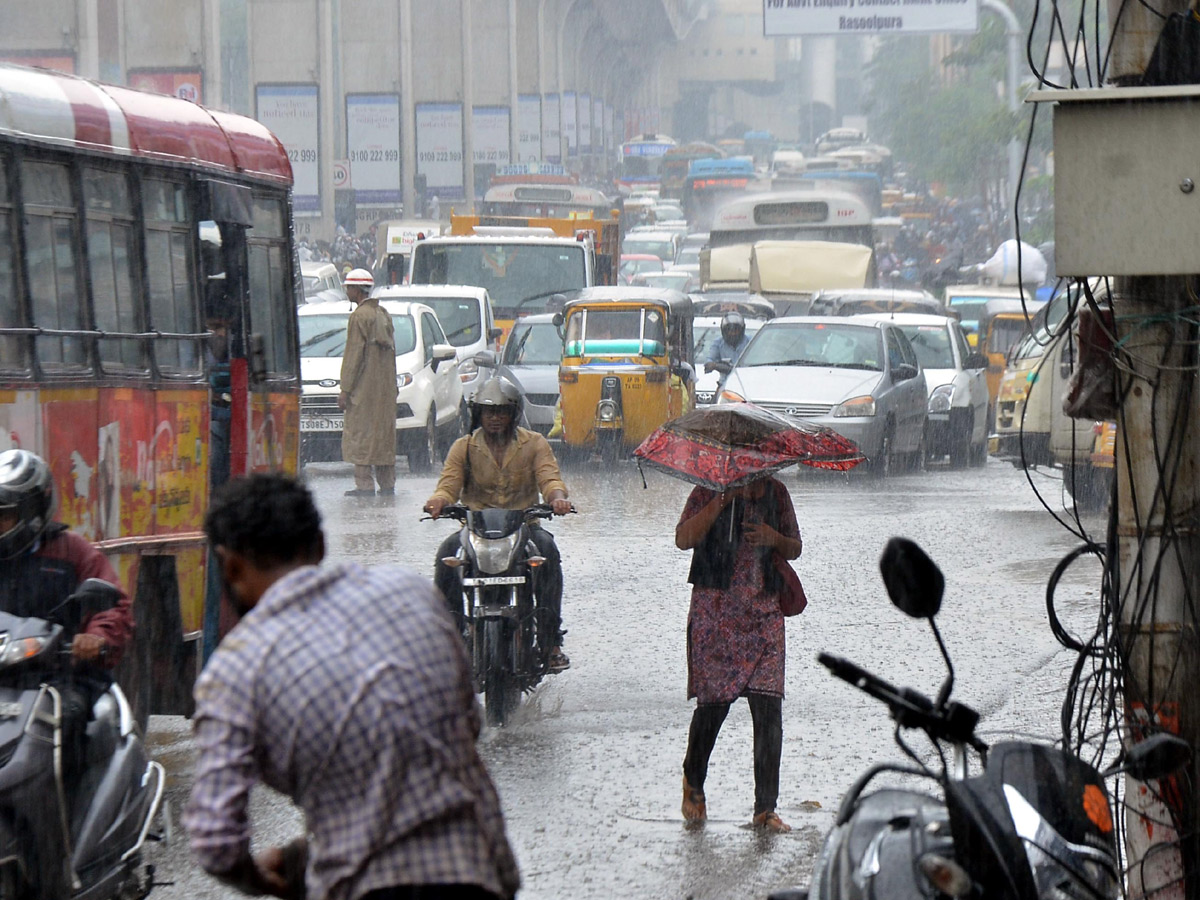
(735, 631)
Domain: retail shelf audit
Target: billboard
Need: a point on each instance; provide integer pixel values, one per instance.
(290, 112)
(440, 149)
(490, 132)
(181, 83)
(551, 129)
(529, 128)
(782, 18)
(373, 148)
(570, 122)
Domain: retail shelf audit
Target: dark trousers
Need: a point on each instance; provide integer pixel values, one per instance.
(432, 892)
(548, 580)
(767, 715)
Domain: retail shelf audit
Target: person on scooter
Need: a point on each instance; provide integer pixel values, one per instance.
(500, 465)
(41, 564)
(723, 354)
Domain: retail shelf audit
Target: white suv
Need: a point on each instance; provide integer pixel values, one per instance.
(430, 393)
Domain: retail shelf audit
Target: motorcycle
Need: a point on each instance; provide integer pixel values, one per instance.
(86, 845)
(1036, 824)
(498, 567)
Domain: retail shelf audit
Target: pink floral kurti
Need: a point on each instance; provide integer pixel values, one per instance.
(735, 634)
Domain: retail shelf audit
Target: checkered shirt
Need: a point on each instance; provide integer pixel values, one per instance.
(348, 689)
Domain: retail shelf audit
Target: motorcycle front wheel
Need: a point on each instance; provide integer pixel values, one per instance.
(500, 688)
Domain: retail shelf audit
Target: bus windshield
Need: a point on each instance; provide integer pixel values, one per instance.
(514, 274)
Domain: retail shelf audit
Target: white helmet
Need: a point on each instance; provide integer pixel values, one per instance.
(359, 278)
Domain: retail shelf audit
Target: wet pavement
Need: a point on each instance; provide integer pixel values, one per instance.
(589, 771)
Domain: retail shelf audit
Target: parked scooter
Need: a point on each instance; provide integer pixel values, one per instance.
(1036, 824)
(86, 845)
(498, 566)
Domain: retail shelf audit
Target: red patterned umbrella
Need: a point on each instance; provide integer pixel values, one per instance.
(729, 445)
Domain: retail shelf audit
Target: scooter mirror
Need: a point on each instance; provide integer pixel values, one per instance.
(913, 580)
(95, 595)
(1156, 757)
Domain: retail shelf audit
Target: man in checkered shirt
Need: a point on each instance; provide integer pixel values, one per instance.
(348, 689)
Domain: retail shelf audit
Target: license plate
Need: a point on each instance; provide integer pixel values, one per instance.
(10, 710)
(498, 579)
(321, 423)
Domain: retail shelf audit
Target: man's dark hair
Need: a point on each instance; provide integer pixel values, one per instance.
(268, 518)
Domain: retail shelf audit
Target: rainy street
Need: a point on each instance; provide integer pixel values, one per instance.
(589, 771)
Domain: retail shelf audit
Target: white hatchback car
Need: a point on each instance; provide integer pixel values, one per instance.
(956, 376)
(430, 392)
(321, 283)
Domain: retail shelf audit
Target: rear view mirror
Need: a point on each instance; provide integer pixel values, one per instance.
(913, 580)
(975, 361)
(93, 596)
(1156, 757)
(442, 353)
(904, 372)
(485, 359)
(494, 334)
(558, 320)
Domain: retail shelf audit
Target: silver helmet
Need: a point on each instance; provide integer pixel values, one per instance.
(497, 391)
(26, 487)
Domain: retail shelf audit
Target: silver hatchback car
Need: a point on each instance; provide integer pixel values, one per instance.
(531, 357)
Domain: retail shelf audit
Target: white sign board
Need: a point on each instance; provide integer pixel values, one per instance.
(440, 149)
(598, 132)
(373, 145)
(585, 123)
(570, 122)
(551, 129)
(290, 112)
(490, 124)
(529, 128)
(791, 17)
(610, 128)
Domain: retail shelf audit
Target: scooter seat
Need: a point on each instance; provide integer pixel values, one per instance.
(103, 731)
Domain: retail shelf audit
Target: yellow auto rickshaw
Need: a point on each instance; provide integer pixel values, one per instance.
(626, 366)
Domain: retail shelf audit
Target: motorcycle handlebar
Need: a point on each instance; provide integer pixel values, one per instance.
(910, 708)
(459, 512)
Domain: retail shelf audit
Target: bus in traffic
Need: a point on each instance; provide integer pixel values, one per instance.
(801, 215)
(677, 162)
(711, 183)
(148, 345)
(639, 162)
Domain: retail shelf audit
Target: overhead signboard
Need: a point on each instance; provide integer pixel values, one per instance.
(782, 18)
(529, 128)
(290, 112)
(373, 146)
(490, 124)
(440, 149)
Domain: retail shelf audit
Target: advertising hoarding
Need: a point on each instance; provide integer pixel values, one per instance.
(290, 112)
(529, 128)
(373, 148)
(570, 122)
(551, 129)
(440, 149)
(490, 135)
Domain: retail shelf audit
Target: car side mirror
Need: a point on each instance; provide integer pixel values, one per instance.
(975, 361)
(904, 372)
(442, 353)
(494, 334)
(682, 371)
(485, 359)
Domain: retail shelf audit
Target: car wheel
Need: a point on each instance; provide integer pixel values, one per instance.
(421, 457)
(962, 426)
(979, 454)
(1089, 487)
(882, 464)
(915, 461)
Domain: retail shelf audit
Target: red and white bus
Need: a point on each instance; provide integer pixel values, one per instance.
(133, 226)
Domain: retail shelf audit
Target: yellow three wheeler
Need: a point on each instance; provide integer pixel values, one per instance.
(626, 366)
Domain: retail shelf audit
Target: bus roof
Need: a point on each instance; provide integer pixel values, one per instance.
(804, 207)
(65, 110)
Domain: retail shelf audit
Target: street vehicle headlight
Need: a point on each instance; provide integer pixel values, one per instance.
(941, 398)
(856, 406)
(468, 369)
(20, 650)
(493, 555)
(731, 397)
(606, 411)
(403, 379)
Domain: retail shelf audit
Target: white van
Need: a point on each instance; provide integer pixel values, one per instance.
(465, 313)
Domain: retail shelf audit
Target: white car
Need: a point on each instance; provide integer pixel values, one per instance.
(956, 377)
(321, 283)
(706, 331)
(430, 393)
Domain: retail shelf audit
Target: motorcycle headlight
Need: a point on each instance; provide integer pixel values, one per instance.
(856, 406)
(494, 555)
(941, 398)
(18, 651)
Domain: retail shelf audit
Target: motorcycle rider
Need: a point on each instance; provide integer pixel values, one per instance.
(500, 465)
(723, 354)
(41, 564)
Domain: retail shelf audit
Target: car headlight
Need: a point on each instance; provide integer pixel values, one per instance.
(941, 399)
(493, 555)
(855, 406)
(468, 369)
(403, 379)
(731, 397)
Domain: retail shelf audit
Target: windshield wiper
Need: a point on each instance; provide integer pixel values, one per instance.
(852, 365)
(544, 294)
(322, 337)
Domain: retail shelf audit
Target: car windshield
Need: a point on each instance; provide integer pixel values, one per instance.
(816, 344)
(510, 273)
(932, 343)
(670, 280)
(324, 336)
(312, 285)
(459, 317)
(616, 332)
(1004, 332)
(631, 267)
(533, 345)
(664, 250)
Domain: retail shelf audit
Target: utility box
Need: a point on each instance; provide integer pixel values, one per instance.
(1126, 180)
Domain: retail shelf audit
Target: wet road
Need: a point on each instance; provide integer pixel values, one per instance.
(589, 772)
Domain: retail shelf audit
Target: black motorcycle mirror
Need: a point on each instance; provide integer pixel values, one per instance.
(1156, 757)
(93, 596)
(916, 584)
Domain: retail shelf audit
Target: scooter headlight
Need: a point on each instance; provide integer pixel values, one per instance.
(494, 555)
(18, 651)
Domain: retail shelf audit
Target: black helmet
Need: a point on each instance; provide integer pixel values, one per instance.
(26, 486)
(497, 391)
(733, 326)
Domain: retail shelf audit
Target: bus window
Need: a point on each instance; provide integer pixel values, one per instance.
(12, 355)
(50, 239)
(272, 308)
(168, 275)
(110, 225)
